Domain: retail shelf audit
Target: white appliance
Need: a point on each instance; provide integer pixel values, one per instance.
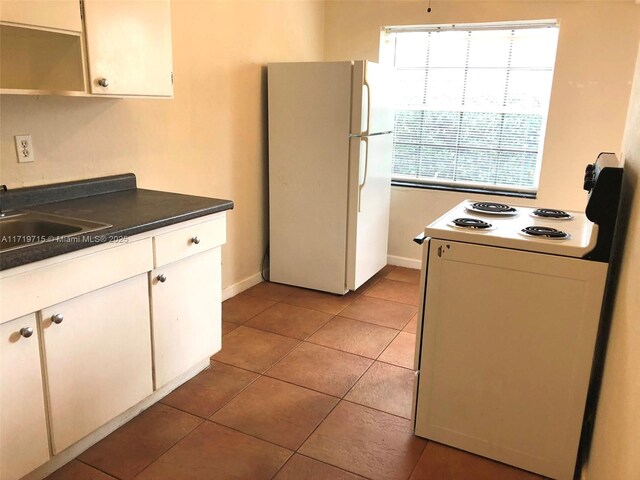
(511, 302)
(330, 145)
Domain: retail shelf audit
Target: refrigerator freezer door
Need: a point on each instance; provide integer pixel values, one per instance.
(371, 110)
(369, 198)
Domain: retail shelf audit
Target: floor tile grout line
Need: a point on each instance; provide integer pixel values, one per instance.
(394, 364)
(338, 350)
(264, 297)
(387, 346)
(227, 401)
(314, 343)
(167, 451)
(372, 323)
(250, 435)
(295, 338)
(387, 300)
(321, 326)
(413, 470)
(357, 381)
(89, 465)
(282, 466)
(377, 410)
(364, 294)
(318, 426)
(158, 456)
(309, 388)
(332, 465)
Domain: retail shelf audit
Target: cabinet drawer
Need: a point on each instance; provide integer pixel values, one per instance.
(187, 241)
(38, 288)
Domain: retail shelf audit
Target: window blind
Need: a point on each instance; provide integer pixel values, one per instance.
(471, 103)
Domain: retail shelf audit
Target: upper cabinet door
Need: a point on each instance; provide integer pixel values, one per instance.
(129, 47)
(42, 14)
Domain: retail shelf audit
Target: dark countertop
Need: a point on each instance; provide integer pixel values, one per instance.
(118, 202)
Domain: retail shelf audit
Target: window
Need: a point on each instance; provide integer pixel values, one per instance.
(471, 103)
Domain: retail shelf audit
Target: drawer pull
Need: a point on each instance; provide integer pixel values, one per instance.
(162, 278)
(195, 240)
(57, 318)
(26, 332)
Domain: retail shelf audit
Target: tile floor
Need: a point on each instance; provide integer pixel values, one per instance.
(308, 386)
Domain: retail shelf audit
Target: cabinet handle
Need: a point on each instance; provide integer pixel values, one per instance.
(103, 82)
(26, 332)
(195, 240)
(57, 318)
(162, 278)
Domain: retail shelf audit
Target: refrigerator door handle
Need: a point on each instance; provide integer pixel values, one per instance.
(363, 167)
(368, 87)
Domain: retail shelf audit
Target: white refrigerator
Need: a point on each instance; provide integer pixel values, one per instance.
(330, 144)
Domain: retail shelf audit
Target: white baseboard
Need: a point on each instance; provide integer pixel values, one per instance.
(241, 286)
(404, 262)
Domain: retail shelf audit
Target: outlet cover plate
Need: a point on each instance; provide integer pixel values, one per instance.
(24, 149)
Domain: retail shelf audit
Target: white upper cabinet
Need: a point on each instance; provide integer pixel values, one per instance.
(41, 47)
(129, 47)
(42, 14)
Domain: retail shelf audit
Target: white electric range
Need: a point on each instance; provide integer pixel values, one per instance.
(511, 302)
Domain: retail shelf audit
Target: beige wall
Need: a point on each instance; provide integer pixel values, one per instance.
(616, 441)
(209, 140)
(594, 68)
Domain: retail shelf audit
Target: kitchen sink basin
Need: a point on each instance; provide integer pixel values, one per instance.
(22, 229)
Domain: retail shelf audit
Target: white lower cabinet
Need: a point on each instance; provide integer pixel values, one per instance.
(101, 338)
(98, 358)
(23, 427)
(186, 313)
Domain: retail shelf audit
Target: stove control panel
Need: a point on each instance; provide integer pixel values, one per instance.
(603, 181)
(590, 177)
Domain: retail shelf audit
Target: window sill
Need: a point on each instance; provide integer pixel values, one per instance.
(462, 189)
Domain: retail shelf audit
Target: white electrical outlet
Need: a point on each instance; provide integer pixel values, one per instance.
(24, 148)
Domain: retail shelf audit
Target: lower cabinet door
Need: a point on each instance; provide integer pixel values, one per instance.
(98, 355)
(24, 443)
(186, 313)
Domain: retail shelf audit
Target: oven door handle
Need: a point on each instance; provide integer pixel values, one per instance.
(420, 239)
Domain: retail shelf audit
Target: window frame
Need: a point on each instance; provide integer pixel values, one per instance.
(387, 57)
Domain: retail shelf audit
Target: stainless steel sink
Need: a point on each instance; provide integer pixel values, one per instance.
(21, 229)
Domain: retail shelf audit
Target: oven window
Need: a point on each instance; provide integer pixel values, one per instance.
(471, 103)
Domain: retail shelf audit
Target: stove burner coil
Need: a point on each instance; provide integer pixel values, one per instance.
(473, 223)
(545, 232)
(490, 207)
(551, 213)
